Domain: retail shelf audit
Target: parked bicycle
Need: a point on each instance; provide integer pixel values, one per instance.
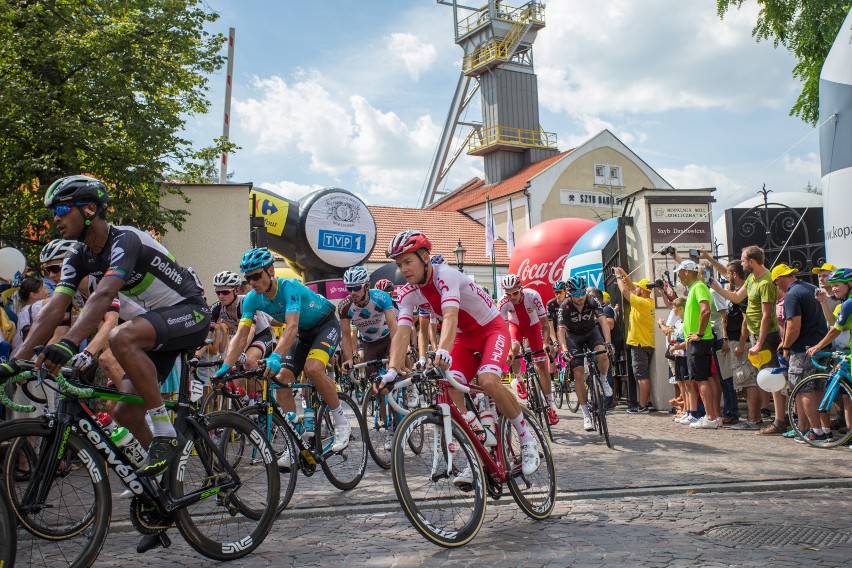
(55, 474)
(445, 510)
(837, 384)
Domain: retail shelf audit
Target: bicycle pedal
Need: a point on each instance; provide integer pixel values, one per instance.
(152, 541)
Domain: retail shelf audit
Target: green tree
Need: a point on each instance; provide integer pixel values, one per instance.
(807, 28)
(103, 88)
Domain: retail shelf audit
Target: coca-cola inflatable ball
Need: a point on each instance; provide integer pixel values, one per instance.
(540, 253)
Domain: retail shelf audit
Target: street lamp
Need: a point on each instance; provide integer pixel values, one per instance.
(459, 252)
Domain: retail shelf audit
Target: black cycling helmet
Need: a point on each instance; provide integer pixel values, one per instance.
(76, 189)
(575, 284)
(559, 286)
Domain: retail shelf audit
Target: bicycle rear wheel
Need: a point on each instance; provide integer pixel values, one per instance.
(78, 504)
(344, 469)
(571, 392)
(8, 532)
(597, 406)
(446, 514)
(844, 393)
(559, 391)
(535, 494)
(536, 401)
(280, 440)
(214, 401)
(226, 524)
(378, 416)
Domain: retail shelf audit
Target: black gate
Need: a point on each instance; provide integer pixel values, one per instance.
(615, 254)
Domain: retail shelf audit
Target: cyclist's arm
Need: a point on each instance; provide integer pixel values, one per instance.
(50, 316)
(101, 339)
(449, 327)
(602, 320)
(95, 308)
(390, 319)
(826, 341)
(288, 336)
(346, 339)
(433, 334)
(243, 334)
(827, 311)
(545, 329)
(563, 339)
(399, 348)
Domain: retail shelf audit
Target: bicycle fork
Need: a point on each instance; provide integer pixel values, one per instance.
(447, 419)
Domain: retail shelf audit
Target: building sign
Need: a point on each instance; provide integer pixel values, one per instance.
(589, 198)
(681, 226)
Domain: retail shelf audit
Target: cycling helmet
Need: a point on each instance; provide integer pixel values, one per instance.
(559, 286)
(408, 241)
(438, 259)
(384, 284)
(227, 278)
(356, 276)
(575, 284)
(76, 189)
(256, 258)
(840, 275)
(510, 282)
(56, 249)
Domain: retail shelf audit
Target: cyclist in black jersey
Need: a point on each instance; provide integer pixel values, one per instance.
(173, 314)
(553, 306)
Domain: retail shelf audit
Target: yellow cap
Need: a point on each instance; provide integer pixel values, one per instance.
(824, 268)
(761, 358)
(607, 297)
(782, 270)
(644, 284)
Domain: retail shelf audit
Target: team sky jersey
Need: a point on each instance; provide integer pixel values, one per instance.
(152, 278)
(369, 318)
(525, 313)
(292, 298)
(448, 288)
(220, 313)
(580, 322)
(552, 309)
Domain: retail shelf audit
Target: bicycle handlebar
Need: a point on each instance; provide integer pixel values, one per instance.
(9, 403)
(834, 355)
(371, 363)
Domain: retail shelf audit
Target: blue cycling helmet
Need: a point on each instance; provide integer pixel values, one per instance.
(356, 276)
(256, 258)
(559, 286)
(841, 275)
(438, 259)
(575, 284)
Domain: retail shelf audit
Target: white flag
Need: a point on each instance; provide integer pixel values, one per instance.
(490, 232)
(510, 232)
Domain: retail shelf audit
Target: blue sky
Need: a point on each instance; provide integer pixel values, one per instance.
(354, 94)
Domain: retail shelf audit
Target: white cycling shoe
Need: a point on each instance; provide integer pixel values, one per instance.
(465, 478)
(587, 424)
(341, 437)
(285, 460)
(530, 459)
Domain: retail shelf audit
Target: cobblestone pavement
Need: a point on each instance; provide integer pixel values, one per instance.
(695, 485)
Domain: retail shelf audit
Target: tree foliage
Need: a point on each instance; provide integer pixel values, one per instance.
(807, 28)
(103, 88)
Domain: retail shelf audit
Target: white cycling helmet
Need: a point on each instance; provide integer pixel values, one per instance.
(56, 249)
(227, 278)
(510, 282)
(356, 276)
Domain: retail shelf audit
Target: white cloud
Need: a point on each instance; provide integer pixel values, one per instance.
(591, 125)
(288, 189)
(693, 176)
(417, 55)
(807, 166)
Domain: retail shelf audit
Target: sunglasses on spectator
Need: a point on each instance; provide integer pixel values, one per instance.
(223, 292)
(255, 277)
(63, 210)
(354, 288)
(53, 269)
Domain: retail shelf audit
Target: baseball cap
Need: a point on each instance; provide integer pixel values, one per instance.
(782, 270)
(826, 267)
(687, 265)
(644, 284)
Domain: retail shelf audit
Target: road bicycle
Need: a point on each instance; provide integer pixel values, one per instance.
(595, 396)
(837, 387)
(536, 401)
(563, 385)
(55, 473)
(444, 506)
(302, 446)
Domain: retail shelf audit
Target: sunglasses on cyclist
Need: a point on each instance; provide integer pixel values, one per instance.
(578, 294)
(63, 210)
(53, 269)
(514, 292)
(354, 288)
(255, 277)
(223, 292)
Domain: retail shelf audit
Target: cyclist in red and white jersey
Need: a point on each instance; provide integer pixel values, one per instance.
(523, 309)
(474, 341)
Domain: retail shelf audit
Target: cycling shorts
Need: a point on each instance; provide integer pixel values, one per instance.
(577, 343)
(533, 335)
(319, 342)
(379, 349)
(481, 351)
(263, 342)
(177, 328)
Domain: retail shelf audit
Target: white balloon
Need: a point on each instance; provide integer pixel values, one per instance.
(771, 380)
(12, 263)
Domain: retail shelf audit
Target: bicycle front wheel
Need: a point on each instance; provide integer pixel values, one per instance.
(600, 410)
(8, 532)
(344, 469)
(819, 382)
(78, 503)
(378, 415)
(535, 494)
(227, 523)
(283, 446)
(446, 504)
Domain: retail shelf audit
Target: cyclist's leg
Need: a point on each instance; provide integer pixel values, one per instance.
(291, 367)
(321, 349)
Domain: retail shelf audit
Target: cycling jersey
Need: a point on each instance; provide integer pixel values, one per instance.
(448, 288)
(579, 322)
(844, 317)
(292, 297)
(369, 319)
(262, 321)
(552, 309)
(526, 313)
(152, 278)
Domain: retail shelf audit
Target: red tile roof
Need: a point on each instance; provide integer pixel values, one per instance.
(475, 191)
(444, 229)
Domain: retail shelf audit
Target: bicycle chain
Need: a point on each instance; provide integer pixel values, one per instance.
(147, 520)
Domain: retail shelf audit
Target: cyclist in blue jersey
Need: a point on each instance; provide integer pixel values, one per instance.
(310, 338)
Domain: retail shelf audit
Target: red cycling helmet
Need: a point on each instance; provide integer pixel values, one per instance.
(408, 241)
(384, 285)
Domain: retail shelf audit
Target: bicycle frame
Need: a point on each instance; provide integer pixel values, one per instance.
(837, 376)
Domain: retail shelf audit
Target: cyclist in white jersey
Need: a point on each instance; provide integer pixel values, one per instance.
(474, 342)
(524, 311)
